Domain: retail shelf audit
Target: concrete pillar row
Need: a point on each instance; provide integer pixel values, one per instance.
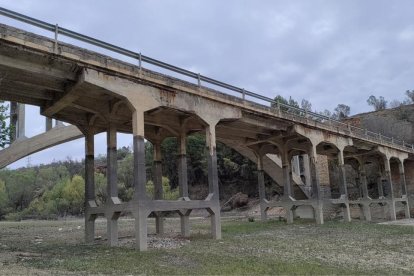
(213, 180)
(316, 193)
(261, 186)
(140, 198)
(404, 193)
(390, 195)
(89, 187)
(158, 189)
(112, 187)
(183, 183)
(343, 186)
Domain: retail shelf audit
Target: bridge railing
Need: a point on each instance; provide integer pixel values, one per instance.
(281, 108)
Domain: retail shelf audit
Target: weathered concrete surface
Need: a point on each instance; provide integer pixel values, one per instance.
(97, 93)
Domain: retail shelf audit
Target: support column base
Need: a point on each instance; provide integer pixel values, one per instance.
(391, 210)
(215, 222)
(141, 229)
(407, 209)
(318, 212)
(347, 212)
(159, 223)
(112, 230)
(90, 228)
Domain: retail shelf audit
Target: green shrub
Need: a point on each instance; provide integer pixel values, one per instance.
(169, 194)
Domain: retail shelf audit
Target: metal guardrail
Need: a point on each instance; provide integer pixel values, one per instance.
(280, 107)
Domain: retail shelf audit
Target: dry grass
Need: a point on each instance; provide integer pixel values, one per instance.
(55, 247)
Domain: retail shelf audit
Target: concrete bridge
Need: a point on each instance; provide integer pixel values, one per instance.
(97, 93)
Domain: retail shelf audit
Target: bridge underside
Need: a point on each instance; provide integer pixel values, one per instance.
(99, 94)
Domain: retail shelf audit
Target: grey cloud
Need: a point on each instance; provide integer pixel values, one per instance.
(328, 52)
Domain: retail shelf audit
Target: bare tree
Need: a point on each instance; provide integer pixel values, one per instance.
(341, 112)
(305, 104)
(410, 95)
(378, 104)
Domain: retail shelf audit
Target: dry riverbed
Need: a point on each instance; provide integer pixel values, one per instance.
(273, 247)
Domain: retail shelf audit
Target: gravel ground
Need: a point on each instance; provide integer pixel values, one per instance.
(56, 248)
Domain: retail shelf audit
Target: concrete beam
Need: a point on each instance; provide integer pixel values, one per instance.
(69, 97)
(35, 68)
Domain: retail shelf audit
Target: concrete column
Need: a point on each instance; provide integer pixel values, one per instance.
(48, 122)
(402, 179)
(213, 181)
(380, 185)
(262, 189)
(140, 179)
(158, 189)
(21, 121)
(365, 196)
(316, 196)
(183, 183)
(404, 193)
(89, 187)
(112, 186)
(306, 170)
(287, 185)
(343, 186)
(295, 165)
(390, 196)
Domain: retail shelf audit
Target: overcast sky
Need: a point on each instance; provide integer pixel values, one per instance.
(327, 52)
